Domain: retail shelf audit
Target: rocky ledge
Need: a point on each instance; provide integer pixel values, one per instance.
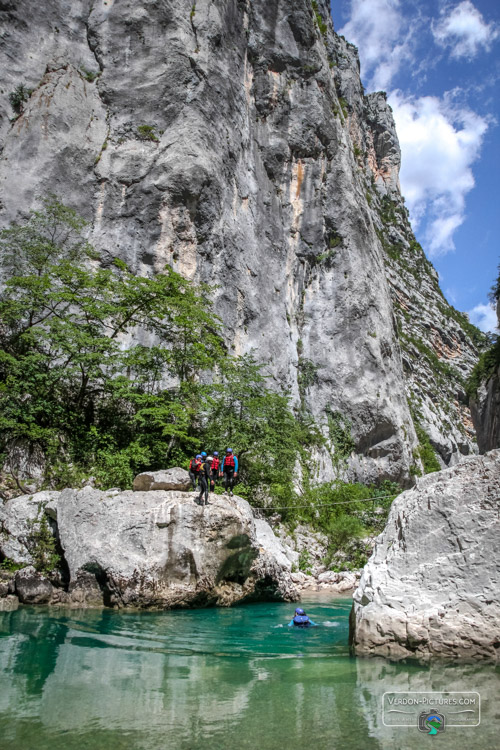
(142, 549)
(431, 586)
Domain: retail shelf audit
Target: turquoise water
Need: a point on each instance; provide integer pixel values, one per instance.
(217, 678)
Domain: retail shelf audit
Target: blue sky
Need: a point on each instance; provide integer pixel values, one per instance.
(439, 62)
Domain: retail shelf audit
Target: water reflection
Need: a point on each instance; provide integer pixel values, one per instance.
(208, 679)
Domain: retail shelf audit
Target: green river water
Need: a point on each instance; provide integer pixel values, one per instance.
(215, 678)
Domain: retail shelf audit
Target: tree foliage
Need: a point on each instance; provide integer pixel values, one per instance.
(110, 373)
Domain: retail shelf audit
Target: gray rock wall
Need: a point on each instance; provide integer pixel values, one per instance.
(431, 585)
(485, 408)
(261, 172)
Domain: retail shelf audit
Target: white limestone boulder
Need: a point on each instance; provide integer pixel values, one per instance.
(169, 479)
(431, 587)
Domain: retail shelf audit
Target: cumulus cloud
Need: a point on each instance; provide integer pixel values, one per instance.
(439, 143)
(380, 30)
(484, 317)
(464, 30)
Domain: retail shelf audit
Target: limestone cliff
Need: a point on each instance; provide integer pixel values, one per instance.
(485, 402)
(232, 140)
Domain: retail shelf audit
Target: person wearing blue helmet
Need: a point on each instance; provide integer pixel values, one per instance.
(301, 620)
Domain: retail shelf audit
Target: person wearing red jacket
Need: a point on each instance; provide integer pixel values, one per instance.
(215, 471)
(194, 470)
(230, 470)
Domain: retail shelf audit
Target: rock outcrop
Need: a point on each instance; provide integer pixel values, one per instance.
(233, 141)
(431, 586)
(18, 518)
(171, 479)
(145, 549)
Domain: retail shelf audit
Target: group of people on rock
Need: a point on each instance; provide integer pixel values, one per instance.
(205, 470)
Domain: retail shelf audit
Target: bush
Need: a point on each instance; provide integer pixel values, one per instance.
(18, 97)
(342, 530)
(90, 75)
(10, 566)
(42, 545)
(488, 364)
(147, 133)
(305, 562)
(426, 451)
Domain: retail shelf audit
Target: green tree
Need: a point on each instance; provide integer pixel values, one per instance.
(72, 380)
(242, 412)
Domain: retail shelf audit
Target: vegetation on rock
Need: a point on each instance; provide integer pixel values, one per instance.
(75, 383)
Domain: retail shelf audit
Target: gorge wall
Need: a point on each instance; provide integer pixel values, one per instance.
(233, 141)
(485, 402)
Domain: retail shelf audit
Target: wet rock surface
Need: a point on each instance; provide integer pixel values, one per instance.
(431, 586)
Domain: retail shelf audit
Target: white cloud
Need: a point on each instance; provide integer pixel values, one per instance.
(464, 30)
(439, 143)
(379, 28)
(484, 317)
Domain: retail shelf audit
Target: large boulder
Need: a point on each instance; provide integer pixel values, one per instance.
(431, 587)
(170, 479)
(161, 549)
(17, 518)
(32, 587)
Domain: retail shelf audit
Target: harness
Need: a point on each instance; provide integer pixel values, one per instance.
(229, 461)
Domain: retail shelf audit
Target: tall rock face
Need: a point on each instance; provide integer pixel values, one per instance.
(232, 140)
(485, 404)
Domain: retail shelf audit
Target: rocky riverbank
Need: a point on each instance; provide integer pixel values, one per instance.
(144, 548)
(431, 587)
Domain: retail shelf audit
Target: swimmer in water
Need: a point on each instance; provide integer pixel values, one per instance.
(301, 620)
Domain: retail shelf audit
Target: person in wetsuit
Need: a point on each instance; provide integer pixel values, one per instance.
(301, 620)
(204, 480)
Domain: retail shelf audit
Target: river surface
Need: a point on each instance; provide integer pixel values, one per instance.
(213, 679)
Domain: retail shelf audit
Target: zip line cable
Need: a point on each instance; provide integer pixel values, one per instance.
(286, 507)
(322, 505)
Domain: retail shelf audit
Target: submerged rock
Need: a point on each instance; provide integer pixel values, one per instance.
(431, 587)
(170, 479)
(9, 603)
(161, 549)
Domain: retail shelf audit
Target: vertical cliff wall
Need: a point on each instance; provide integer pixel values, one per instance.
(232, 140)
(485, 401)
